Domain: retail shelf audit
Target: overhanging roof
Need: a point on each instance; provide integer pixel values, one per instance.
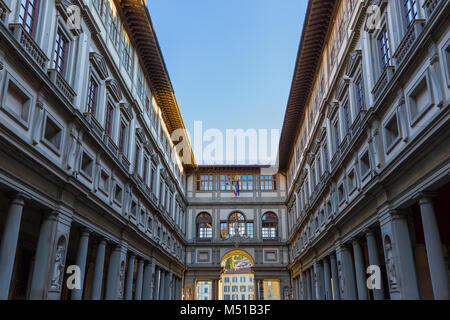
(138, 24)
(315, 30)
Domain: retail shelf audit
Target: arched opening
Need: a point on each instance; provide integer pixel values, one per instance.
(269, 226)
(236, 224)
(237, 281)
(204, 226)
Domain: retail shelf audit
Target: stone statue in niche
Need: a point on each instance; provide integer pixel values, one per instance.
(390, 266)
(121, 278)
(341, 278)
(189, 293)
(58, 265)
(287, 293)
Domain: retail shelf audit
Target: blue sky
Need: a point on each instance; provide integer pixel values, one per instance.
(230, 61)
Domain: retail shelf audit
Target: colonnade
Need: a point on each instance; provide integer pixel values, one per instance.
(123, 274)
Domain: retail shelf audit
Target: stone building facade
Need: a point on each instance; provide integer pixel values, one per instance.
(93, 188)
(88, 174)
(261, 235)
(368, 166)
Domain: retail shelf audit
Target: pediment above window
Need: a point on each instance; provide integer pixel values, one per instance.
(342, 87)
(332, 108)
(354, 61)
(99, 63)
(71, 14)
(114, 88)
(140, 134)
(321, 133)
(127, 110)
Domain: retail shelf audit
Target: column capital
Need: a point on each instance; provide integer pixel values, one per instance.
(85, 231)
(425, 197)
(19, 198)
(386, 215)
(101, 240)
(369, 233)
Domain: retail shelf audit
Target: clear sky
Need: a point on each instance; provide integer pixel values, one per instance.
(230, 61)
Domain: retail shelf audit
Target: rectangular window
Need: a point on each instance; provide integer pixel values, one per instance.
(347, 117)
(360, 93)
(246, 182)
(385, 51)
(126, 53)
(223, 229)
(319, 167)
(392, 132)
(145, 170)
(205, 182)
(365, 164)
(109, 119)
(410, 11)
(224, 182)
(337, 139)
(60, 59)
(28, 14)
(267, 182)
(92, 96)
(325, 156)
(140, 83)
(249, 229)
(137, 155)
(122, 136)
(114, 29)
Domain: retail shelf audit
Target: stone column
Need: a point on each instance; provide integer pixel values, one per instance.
(116, 274)
(378, 294)
(335, 276)
(398, 253)
(41, 270)
(98, 271)
(8, 244)
(346, 273)
(360, 271)
(152, 281)
(146, 289)
(327, 279)
(318, 271)
(433, 244)
(139, 280)
(302, 285)
(294, 288)
(213, 289)
(130, 275)
(77, 294)
(308, 285)
(162, 285)
(170, 286)
(157, 284)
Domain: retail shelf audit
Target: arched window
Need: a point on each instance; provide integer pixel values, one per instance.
(204, 226)
(236, 224)
(269, 225)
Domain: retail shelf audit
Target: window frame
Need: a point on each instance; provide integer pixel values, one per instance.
(203, 231)
(395, 140)
(269, 228)
(34, 16)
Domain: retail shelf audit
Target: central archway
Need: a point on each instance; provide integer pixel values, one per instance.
(237, 281)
